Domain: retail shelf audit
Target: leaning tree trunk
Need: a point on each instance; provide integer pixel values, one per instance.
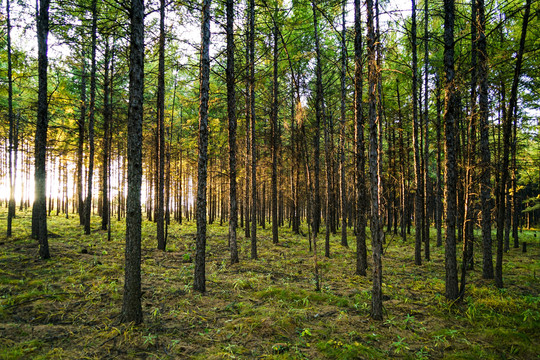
(231, 112)
(450, 117)
(199, 280)
(131, 307)
(507, 127)
(39, 212)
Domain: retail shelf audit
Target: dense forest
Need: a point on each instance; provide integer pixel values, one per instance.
(343, 151)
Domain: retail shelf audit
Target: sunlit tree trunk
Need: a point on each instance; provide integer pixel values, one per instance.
(80, 148)
(39, 212)
(12, 150)
(199, 280)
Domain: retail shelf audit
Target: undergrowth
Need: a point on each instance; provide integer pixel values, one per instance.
(68, 306)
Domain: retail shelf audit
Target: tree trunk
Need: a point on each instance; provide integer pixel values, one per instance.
(418, 178)
(251, 44)
(199, 280)
(131, 307)
(12, 141)
(318, 117)
(107, 119)
(275, 135)
(426, 182)
(361, 249)
(39, 212)
(507, 125)
(343, 184)
(376, 238)
(160, 186)
(450, 116)
(88, 202)
(231, 112)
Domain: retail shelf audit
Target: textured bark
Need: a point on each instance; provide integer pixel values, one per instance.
(251, 46)
(318, 117)
(450, 119)
(160, 215)
(361, 249)
(80, 147)
(39, 212)
(231, 112)
(485, 161)
(131, 307)
(376, 238)
(418, 178)
(507, 127)
(426, 180)
(275, 135)
(343, 184)
(91, 118)
(12, 151)
(199, 280)
(107, 119)
(438, 188)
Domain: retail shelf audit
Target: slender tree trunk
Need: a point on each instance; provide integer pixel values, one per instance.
(199, 280)
(507, 128)
(376, 238)
(343, 184)
(426, 179)
(361, 249)
(251, 45)
(418, 178)
(107, 119)
(39, 213)
(439, 194)
(160, 216)
(93, 70)
(12, 150)
(318, 117)
(231, 112)
(485, 176)
(275, 135)
(450, 117)
(80, 148)
(247, 188)
(131, 307)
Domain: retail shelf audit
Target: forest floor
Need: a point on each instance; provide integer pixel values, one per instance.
(68, 307)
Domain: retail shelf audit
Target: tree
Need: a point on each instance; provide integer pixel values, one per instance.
(275, 132)
(39, 213)
(318, 116)
(376, 236)
(343, 109)
(450, 116)
(199, 280)
(251, 90)
(91, 120)
(361, 251)
(231, 112)
(12, 140)
(131, 307)
(161, 131)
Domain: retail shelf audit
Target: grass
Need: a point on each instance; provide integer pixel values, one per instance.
(68, 307)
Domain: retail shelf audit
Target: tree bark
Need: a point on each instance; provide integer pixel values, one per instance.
(275, 135)
(107, 119)
(376, 238)
(251, 45)
(418, 178)
(91, 118)
(12, 151)
(231, 112)
(160, 215)
(80, 148)
(39, 213)
(318, 117)
(131, 307)
(507, 127)
(343, 184)
(450, 117)
(361, 249)
(199, 280)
